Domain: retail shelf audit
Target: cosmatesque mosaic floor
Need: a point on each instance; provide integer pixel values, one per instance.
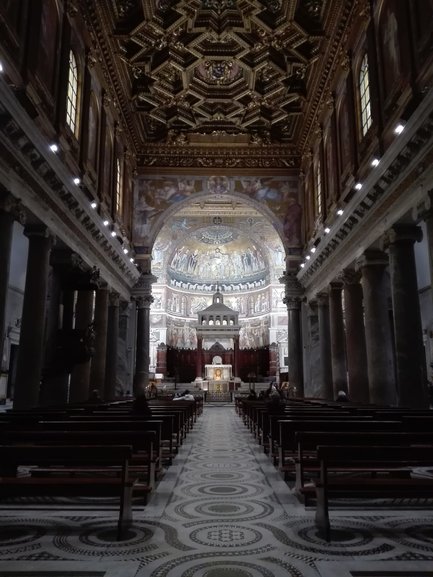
(221, 510)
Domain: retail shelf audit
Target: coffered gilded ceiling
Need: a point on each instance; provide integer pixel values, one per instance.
(199, 71)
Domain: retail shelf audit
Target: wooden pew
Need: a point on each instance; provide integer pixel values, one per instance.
(306, 460)
(94, 482)
(370, 481)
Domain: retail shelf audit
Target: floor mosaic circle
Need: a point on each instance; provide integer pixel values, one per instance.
(223, 490)
(226, 536)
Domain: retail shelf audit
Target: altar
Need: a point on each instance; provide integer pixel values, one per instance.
(218, 377)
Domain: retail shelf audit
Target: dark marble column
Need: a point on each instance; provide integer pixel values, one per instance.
(141, 378)
(112, 349)
(97, 370)
(409, 346)
(235, 355)
(338, 349)
(9, 211)
(327, 391)
(31, 348)
(312, 377)
(292, 299)
(80, 376)
(198, 360)
(378, 339)
(355, 337)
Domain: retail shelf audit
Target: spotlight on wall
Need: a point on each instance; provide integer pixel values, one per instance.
(358, 186)
(131, 259)
(308, 257)
(340, 211)
(77, 181)
(113, 233)
(106, 222)
(302, 264)
(399, 128)
(1, 67)
(313, 249)
(327, 230)
(94, 204)
(375, 162)
(54, 147)
(125, 251)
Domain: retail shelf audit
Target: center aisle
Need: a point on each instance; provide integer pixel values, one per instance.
(226, 512)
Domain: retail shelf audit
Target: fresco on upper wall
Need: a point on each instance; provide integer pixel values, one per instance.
(153, 196)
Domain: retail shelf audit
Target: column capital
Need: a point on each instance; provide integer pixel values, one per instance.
(335, 285)
(113, 298)
(350, 276)
(144, 284)
(402, 233)
(13, 206)
(38, 231)
(292, 303)
(144, 301)
(292, 288)
(322, 299)
(372, 258)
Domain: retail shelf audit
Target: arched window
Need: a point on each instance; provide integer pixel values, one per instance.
(318, 189)
(72, 95)
(119, 187)
(364, 96)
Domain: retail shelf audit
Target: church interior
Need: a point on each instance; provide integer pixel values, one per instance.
(230, 199)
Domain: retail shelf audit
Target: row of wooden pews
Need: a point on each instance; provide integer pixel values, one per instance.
(333, 451)
(95, 450)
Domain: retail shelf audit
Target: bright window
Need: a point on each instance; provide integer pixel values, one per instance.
(364, 96)
(318, 189)
(119, 187)
(72, 96)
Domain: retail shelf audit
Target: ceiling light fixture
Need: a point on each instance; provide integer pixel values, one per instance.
(302, 264)
(94, 204)
(1, 67)
(327, 230)
(113, 233)
(313, 249)
(375, 162)
(125, 251)
(358, 186)
(340, 211)
(106, 222)
(54, 147)
(131, 259)
(77, 181)
(308, 257)
(399, 128)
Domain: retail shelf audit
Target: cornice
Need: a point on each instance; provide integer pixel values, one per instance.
(391, 191)
(45, 187)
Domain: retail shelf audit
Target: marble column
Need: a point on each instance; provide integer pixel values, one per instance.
(235, 355)
(378, 337)
(198, 359)
(355, 337)
(80, 376)
(312, 379)
(292, 299)
(409, 346)
(9, 211)
(327, 390)
(112, 347)
(97, 370)
(338, 349)
(31, 347)
(141, 378)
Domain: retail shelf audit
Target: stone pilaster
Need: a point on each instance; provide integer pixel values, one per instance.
(355, 337)
(327, 390)
(31, 349)
(409, 347)
(380, 361)
(338, 348)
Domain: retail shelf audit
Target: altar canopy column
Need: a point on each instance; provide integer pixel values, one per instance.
(292, 299)
(327, 391)
(338, 351)
(142, 294)
(31, 348)
(9, 211)
(97, 371)
(235, 356)
(80, 376)
(198, 360)
(355, 337)
(112, 345)
(378, 340)
(409, 346)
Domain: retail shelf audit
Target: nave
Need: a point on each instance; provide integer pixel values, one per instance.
(220, 510)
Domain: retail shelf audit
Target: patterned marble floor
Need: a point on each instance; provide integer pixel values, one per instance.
(221, 510)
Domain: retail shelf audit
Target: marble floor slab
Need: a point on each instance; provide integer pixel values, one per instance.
(221, 510)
